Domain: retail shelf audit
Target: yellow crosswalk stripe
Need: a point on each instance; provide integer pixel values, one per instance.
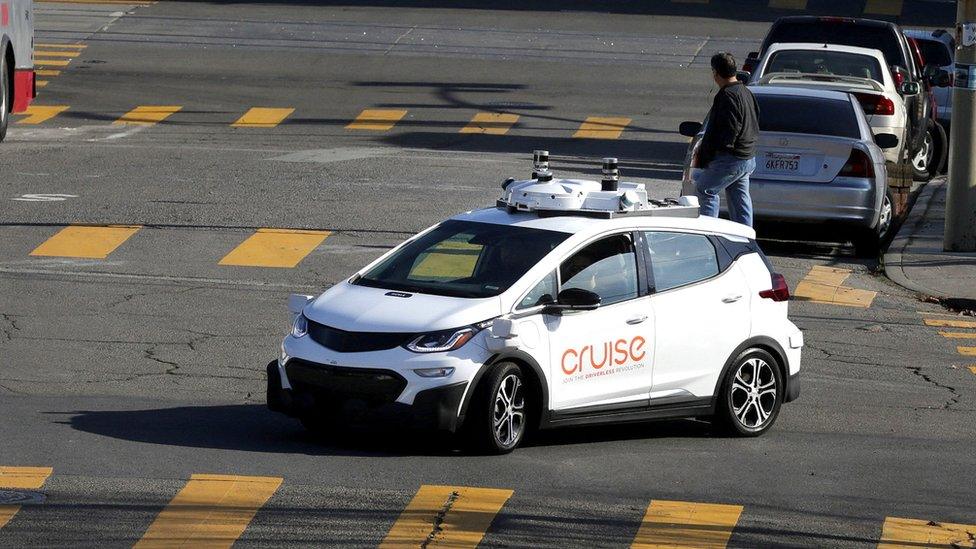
(958, 335)
(446, 516)
(825, 285)
(598, 127)
(972, 368)
(788, 4)
(904, 533)
(966, 351)
(670, 524)
(48, 53)
(35, 114)
(92, 242)
(51, 62)
(46, 72)
(20, 478)
(883, 7)
(262, 117)
(491, 123)
(55, 45)
(146, 115)
(949, 323)
(40, 83)
(376, 119)
(210, 511)
(284, 248)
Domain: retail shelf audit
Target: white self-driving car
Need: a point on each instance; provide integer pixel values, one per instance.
(570, 302)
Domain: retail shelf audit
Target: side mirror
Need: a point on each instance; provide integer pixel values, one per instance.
(886, 140)
(909, 88)
(743, 76)
(297, 302)
(689, 129)
(574, 299)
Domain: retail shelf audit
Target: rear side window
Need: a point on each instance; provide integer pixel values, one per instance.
(678, 259)
(845, 34)
(833, 63)
(810, 115)
(934, 52)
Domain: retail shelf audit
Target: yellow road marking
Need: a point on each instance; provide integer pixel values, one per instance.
(966, 351)
(47, 53)
(41, 83)
(491, 123)
(949, 323)
(825, 285)
(20, 478)
(446, 516)
(973, 368)
(376, 119)
(210, 511)
(46, 72)
(146, 115)
(275, 248)
(788, 4)
(670, 524)
(51, 62)
(35, 114)
(52, 45)
(93, 242)
(958, 335)
(262, 117)
(883, 7)
(597, 127)
(902, 533)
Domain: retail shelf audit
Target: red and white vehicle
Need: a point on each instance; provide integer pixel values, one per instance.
(17, 87)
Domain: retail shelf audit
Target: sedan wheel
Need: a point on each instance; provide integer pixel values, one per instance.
(751, 395)
(499, 414)
(924, 157)
(508, 417)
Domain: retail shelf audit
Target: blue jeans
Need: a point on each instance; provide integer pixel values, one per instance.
(730, 174)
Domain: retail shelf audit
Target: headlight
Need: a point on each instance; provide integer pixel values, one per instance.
(300, 327)
(445, 340)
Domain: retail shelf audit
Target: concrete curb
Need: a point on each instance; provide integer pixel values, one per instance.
(892, 259)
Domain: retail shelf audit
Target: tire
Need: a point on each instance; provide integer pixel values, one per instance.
(748, 404)
(923, 158)
(870, 242)
(5, 96)
(940, 155)
(499, 409)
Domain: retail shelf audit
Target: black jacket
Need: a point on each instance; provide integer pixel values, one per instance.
(733, 125)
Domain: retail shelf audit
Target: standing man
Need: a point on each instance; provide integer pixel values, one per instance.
(728, 148)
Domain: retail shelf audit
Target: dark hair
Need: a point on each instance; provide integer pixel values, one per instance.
(724, 64)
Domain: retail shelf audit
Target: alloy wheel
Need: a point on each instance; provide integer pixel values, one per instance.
(508, 415)
(753, 393)
(884, 220)
(923, 158)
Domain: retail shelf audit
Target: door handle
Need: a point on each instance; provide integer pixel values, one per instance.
(731, 298)
(637, 319)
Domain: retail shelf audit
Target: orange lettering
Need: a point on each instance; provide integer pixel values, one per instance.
(637, 342)
(620, 350)
(573, 370)
(603, 361)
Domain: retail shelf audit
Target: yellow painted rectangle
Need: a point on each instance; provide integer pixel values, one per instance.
(966, 351)
(51, 62)
(46, 72)
(597, 127)
(146, 115)
(283, 248)
(491, 123)
(262, 117)
(52, 45)
(376, 119)
(824, 285)
(958, 335)
(903, 533)
(92, 242)
(210, 511)
(788, 4)
(53, 53)
(35, 114)
(883, 7)
(972, 368)
(20, 478)
(669, 524)
(949, 323)
(40, 83)
(464, 515)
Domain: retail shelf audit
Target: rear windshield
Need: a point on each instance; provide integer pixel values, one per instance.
(825, 62)
(783, 113)
(844, 34)
(934, 52)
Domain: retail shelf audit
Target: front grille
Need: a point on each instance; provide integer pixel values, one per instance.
(341, 382)
(356, 342)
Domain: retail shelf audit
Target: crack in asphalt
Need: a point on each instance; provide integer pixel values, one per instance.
(150, 353)
(438, 527)
(11, 326)
(954, 399)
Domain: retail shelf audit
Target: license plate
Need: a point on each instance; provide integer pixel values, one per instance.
(782, 163)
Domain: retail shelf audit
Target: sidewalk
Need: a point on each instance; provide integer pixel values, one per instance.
(915, 258)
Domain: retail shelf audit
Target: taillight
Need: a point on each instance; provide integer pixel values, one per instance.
(874, 103)
(858, 165)
(779, 292)
(899, 78)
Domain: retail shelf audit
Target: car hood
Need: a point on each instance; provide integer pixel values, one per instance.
(363, 309)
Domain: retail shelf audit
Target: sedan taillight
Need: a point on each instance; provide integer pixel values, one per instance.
(858, 165)
(874, 103)
(779, 292)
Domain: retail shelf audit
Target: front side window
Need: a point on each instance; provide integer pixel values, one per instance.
(542, 294)
(680, 258)
(463, 259)
(607, 267)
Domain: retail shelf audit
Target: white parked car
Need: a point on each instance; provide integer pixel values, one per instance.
(862, 72)
(570, 302)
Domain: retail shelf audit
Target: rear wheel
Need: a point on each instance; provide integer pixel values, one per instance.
(871, 241)
(5, 95)
(500, 418)
(924, 157)
(751, 395)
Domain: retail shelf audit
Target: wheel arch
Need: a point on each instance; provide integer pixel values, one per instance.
(533, 371)
(765, 343)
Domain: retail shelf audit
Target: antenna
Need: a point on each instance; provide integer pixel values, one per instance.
(611, 175)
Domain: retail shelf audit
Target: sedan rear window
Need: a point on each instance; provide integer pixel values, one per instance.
(810, 115)
(843, 33)
(832, 63)
(934, 52)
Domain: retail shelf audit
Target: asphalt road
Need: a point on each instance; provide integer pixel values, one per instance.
(128, 374)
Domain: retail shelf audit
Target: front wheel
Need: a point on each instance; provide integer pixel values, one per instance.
(751, 394)
(5, 96)
(499, 419)
(924, 157)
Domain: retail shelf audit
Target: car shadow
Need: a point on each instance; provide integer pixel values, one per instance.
(252, 428)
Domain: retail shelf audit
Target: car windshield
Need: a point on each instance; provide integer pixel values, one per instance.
(833, 63)
(934, 52)
(463, 259)
(811, 115)
(840, 33)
